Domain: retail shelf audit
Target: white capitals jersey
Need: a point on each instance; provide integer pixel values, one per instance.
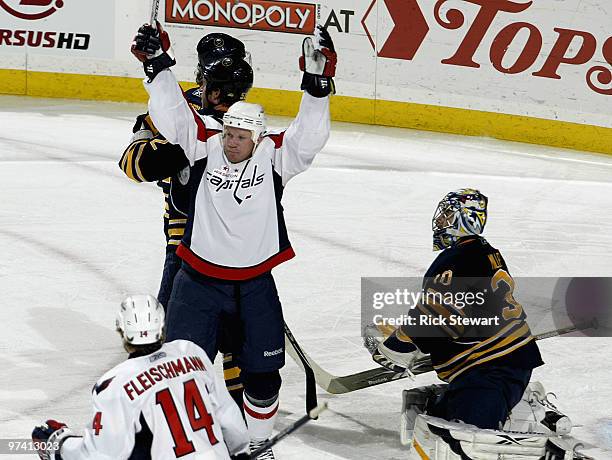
(236, 228)
(169, 404)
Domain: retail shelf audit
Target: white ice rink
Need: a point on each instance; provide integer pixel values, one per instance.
(77, 236)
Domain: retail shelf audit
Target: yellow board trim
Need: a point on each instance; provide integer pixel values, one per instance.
(343, 108)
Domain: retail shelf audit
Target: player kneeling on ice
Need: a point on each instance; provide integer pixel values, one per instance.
(235, 232)
(164, 402)
(486, 354)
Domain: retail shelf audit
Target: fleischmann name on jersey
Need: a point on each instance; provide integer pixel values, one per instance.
(168, 370)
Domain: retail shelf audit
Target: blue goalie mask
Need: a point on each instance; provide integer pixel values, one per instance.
(460, 213)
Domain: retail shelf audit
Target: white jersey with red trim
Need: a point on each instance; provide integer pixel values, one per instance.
(236, 228)
(169, 403)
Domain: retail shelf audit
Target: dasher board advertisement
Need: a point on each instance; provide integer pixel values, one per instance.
(79, 28)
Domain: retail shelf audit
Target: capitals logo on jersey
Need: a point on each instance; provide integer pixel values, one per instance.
(239, 182)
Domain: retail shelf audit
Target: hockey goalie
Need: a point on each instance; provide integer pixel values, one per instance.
(484, 351)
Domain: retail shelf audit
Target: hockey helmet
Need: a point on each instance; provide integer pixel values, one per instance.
(233, 77)
(140, 320)
(245, 115)
(216, 45)
(460, 213)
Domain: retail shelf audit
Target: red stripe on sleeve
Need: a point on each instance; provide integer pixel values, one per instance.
(277, 139)
(203, 132)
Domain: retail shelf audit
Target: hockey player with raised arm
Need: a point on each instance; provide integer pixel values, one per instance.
(482, 348)
(224, 76)
(164, 402)
(236, 231)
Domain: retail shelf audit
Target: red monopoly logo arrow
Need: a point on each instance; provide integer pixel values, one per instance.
(408, 32)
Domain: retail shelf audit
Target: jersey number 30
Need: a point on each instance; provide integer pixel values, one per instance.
(198, 416)
(513, 309)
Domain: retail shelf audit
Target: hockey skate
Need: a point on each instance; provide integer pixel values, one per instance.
(537, 414)
(553, 419)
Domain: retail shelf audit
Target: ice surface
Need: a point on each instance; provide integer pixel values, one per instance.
(77, 236)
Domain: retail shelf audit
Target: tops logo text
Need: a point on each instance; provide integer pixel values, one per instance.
(570, 48)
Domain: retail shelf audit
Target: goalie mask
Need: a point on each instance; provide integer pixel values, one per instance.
(140, 320)
(460, 213)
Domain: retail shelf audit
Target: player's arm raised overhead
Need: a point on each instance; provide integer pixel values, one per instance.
(173, 116)
(309, 131)
(149, 157)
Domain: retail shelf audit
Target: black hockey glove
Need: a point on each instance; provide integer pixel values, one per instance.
(151, 46)
(318, 62)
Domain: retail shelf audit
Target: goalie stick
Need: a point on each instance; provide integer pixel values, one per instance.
(379, 375)
(311, 415)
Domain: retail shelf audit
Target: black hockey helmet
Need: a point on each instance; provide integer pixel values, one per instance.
(216, 45)
(233, 77)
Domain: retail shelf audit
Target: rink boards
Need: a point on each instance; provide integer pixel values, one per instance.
(536, 71)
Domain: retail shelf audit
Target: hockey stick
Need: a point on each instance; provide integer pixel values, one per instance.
(154, 10)
(312, 415)
(302, 359)
(352, 382)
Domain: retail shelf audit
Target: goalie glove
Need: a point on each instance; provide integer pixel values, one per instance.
(318, 62)
(49, 437)
(397, 355)
(151, 46)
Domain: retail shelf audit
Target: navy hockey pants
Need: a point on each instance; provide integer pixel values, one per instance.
(198, 304)
(483, 396)
(172, 264)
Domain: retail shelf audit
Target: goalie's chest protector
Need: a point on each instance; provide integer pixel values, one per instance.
(236, 229)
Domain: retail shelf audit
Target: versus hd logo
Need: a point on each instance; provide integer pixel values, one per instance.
(31, 9)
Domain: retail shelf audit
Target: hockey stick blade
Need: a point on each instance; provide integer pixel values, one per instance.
(379, 375)
(311, 415)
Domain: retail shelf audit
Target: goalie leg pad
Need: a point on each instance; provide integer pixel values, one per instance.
(438, 439)
(414, 402)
